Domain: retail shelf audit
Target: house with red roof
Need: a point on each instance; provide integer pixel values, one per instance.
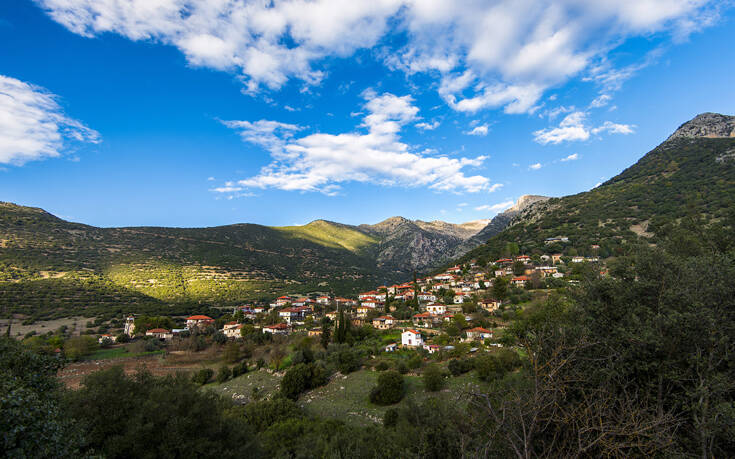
(277, 329)
(478, 334)
(519, 281)
(198, 321)
(232, 330)
(160, 333)
(384, 322)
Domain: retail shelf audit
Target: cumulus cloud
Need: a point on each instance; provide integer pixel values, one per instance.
(495, 207)
(486, 54)
(33, 125)
(322, 162)
(478, 130)
(574, 127)
(428, 126)
(535, 167)
(572, 157)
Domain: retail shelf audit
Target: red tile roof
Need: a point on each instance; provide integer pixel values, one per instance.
(157, 330)
(199, 317)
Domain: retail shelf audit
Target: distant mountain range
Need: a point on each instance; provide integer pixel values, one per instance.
(49, 266)
(40, 253)
(691, 173)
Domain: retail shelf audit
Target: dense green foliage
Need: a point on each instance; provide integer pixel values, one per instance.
(145, 416)
(31, 421)
(389, 390)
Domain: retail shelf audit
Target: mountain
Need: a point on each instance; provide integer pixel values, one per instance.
(692, 171)
(47, 263)
(500, 222)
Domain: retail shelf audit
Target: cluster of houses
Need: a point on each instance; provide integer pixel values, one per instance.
(461, 284)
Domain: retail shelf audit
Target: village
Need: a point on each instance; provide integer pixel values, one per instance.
(463, 304)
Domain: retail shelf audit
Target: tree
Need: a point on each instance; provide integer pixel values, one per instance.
(232, 353)
(389, 390)
(145, 416)
(302, 377)
(500, 288)
(203, 376)
(224, 374)
(433, 378)
(31, 421)
(519, 268)
(79, 346)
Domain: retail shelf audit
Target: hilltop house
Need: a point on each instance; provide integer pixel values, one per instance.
(294, 314)
(364, 309)
(436, 308)
(490, 305)
(425, 319)
(282, 301)
(478, 333)
(277, 329)
(427, 296)
(384, 322)
(232, 330)
(198, 321)
(112, 338)
(519, 281)
(160, 333)
(323, 299)
(370, 302)
(411, 338)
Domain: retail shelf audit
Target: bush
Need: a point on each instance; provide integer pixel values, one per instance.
(106, 342)
(79, 346)
(390, 418)
(223, 374)
(390, 389)
(262, 415)
(415, 362)
(459, 366)
(239, 369)
(433, 378)
(302, 377)
(203, 376)
(490, 367)
(219, 338)
(382, 366)
(402, 368)
(232, 353)
(122, 338)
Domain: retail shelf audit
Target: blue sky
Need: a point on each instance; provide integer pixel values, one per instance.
(188, 113)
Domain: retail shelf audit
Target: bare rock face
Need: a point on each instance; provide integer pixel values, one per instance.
(710, 125)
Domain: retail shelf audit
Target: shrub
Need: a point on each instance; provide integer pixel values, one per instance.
(262, 415)
(390, 418)
(122, 338)
(459, 366)
(382, 366)
(219, 338)
(415, 362)
(402, 368)
(433, 378)
(239, 369)
(389, 390)
(106, 342)
(223, 374)
(302, 377)
(203, 376)
(78, 346)
(232, 353)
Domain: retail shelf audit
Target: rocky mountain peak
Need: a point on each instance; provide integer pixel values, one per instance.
(524, 202)
(710, 125)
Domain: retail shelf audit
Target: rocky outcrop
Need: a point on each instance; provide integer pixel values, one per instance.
(710, 125)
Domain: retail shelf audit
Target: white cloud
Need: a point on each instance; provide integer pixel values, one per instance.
(535, 167)
(495, 207)
(572, 157)
(428, 126)
(478, 130)
(322, 162)
(487, 54)
(495, 187)
(600, 101)
(574, 128)
(33, 125)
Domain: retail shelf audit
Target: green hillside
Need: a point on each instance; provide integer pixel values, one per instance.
(49, 267)
(682, 176)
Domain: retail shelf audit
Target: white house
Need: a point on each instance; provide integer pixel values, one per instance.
(478, 333)
(411, 338)
(277, 329)
(198, 321)
(391, 347)
(577, 259)
(436, 309)
(107, 336)
(232, 330)
(384, 322)
(160, 333)
(427, 296)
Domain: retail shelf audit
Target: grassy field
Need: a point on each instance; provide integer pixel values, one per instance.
(346, 396)
(240, 389)
(118, 352)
